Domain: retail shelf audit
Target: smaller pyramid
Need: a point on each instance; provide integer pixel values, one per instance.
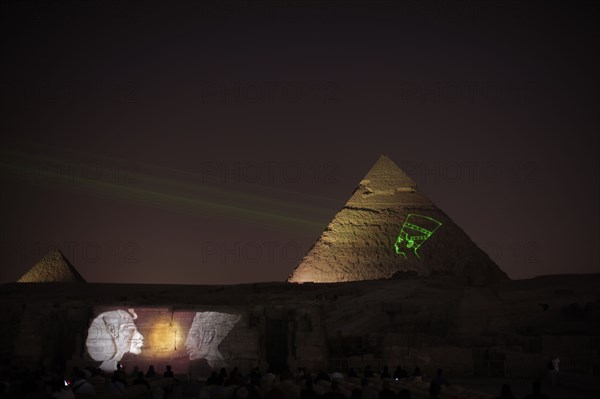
(52, 268)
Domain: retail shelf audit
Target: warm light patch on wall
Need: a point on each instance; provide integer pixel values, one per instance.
(165, 337)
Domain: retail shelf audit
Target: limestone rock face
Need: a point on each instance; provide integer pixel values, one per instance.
(53, 268)
(388, 229)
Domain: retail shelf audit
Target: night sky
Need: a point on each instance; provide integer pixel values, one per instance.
(210, 143)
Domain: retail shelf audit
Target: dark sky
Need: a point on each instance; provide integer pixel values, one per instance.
(210, 142)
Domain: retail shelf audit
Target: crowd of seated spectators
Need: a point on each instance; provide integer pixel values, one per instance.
(233, 384)
(83, 383)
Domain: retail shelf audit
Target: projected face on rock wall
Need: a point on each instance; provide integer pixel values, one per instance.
(414, 232)
(111, 335)
(206, 333)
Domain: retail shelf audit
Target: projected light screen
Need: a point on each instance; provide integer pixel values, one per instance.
(414, 232)
(159, 336)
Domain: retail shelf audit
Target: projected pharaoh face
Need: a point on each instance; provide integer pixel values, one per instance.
(206, 333)
(111, 335)
(415, 231)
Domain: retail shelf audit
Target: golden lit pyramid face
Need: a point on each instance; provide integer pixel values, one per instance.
(388, 227)
(52, 268)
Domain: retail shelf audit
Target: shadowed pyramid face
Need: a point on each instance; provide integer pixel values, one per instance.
(415, 231)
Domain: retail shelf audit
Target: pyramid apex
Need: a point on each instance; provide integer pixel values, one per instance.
(386, 175)
(56, 252)
(52, 268)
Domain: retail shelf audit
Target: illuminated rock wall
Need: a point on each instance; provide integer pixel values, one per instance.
(202, 341)
(388, 228)
(197, 342)
(429, 323)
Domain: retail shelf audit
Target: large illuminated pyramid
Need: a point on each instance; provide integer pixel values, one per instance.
(52, 268)
(389, 229)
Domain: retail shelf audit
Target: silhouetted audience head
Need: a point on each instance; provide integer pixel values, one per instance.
(241, 392)
(57, 385)
(404, 394)
(169, 372)
(385, 373)
(309, 384)
(434, 390)
(506, 392)
(151, 373)
(335, 386)
(118, 377)
(213, 379)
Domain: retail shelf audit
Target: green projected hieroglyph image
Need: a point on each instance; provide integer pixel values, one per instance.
(414, 232)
